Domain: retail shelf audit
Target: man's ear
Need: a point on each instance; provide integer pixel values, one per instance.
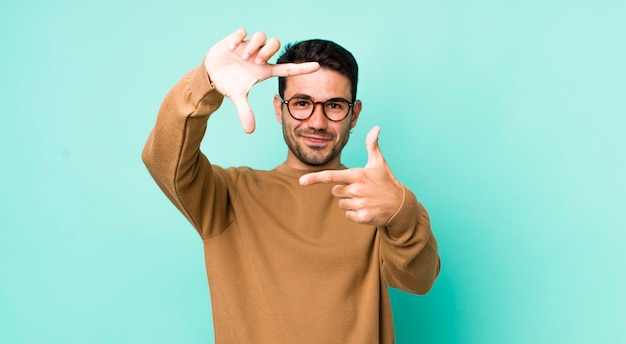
(278, 105)
(356, 110)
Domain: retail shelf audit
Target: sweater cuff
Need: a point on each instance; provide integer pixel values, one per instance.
(203, 92)
(411, 222)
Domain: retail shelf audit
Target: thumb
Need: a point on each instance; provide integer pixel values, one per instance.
(246, 116)
(374, 155)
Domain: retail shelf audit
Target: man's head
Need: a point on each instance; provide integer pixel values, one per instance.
(317, 140)
(329, 55)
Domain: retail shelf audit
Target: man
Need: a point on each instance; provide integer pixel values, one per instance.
(303, 253)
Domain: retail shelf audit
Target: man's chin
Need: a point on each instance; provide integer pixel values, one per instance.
(314, 155)
(315, 158)
(315, 162)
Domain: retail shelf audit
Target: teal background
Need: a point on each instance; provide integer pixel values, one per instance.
(505, 117)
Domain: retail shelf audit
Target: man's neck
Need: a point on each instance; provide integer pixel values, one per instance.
(295, 163)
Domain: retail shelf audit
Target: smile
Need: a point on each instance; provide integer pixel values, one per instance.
(315, 140)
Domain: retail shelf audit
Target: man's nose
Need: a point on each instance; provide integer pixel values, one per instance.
(318, 119)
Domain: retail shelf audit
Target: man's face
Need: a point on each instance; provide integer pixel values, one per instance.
(316, 141)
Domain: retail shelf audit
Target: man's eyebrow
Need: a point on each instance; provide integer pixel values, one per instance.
(301, 95)
(306, 96)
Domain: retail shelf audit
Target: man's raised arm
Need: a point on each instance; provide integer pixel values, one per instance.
(172, 152)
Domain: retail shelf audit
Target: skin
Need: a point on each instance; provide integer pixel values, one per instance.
(316, 142)
(370, 195)
(235, 65)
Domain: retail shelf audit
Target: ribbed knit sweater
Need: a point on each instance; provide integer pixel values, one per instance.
(284, 263)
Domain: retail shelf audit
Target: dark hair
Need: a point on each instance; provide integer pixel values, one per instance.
(328, 54)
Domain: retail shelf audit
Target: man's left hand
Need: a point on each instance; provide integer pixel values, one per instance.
(369, 195)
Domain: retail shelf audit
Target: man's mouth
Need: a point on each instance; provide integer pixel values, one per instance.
(315, 140)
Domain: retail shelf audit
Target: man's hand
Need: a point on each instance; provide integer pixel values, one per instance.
(369, 195)
(235, 64)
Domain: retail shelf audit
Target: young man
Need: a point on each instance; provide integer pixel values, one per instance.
(303, 253)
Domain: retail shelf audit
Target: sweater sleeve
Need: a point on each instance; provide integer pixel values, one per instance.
(409, 255)
(173, 157)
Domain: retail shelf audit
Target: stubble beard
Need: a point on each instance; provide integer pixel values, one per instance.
(313, 156)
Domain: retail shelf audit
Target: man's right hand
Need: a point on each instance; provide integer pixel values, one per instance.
(235, 64)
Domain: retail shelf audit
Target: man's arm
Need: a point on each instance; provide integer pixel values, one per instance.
(373, 196)
(172, 153)
(408, 254)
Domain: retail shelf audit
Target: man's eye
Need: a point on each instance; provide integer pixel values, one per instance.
(335, 105)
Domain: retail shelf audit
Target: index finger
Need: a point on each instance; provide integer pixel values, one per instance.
(338, 177)
(290, 69)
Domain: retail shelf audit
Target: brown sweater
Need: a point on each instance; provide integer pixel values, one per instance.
(284, 263)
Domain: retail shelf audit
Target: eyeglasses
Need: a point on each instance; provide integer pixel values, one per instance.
(301, 108)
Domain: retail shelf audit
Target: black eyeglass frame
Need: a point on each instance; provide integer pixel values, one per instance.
(350, 106)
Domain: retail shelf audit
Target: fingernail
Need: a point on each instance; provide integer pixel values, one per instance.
(259, 61)
(245, 56)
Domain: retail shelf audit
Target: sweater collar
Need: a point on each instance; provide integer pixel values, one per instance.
(292, 172)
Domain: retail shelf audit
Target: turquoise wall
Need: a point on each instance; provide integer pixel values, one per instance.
(506, 118)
